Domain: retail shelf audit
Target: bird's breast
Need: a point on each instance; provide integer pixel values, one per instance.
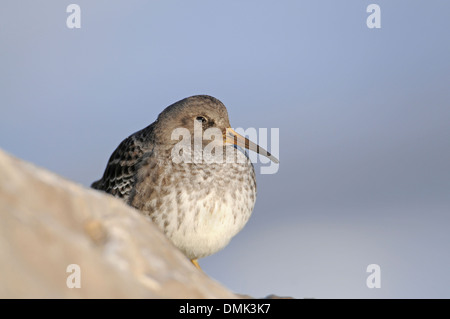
(200, 207)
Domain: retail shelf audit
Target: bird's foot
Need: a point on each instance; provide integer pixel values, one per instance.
(195, 262)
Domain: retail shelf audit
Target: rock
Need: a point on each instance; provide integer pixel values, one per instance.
(49, 223)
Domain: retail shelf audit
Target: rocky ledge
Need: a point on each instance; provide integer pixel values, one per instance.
(61, 240)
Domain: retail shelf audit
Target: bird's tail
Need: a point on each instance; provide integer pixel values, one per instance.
(96, 184)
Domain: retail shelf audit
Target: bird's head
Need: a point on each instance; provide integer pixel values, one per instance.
(202, 119)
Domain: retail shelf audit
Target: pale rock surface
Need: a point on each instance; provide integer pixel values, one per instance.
(48, 223)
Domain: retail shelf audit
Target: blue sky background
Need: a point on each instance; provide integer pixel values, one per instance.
(363, 114)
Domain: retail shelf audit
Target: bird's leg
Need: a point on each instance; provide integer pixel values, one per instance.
(195, 262)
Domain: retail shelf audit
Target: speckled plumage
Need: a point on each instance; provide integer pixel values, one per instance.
(199, 206)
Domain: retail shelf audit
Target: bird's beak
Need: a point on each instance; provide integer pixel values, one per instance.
(233, 138)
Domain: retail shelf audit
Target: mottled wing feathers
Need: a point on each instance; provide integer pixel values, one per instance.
(120, 173)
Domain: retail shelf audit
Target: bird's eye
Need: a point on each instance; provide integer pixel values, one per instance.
(201, 119)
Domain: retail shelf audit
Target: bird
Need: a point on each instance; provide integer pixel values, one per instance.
(198, 203)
